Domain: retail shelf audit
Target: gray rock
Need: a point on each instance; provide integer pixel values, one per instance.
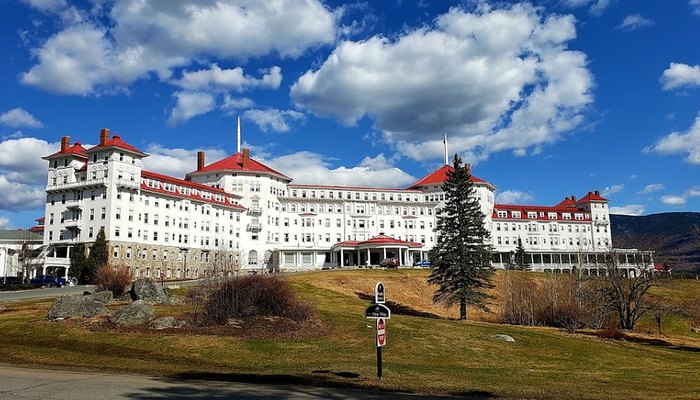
(148, 290)
(104, 296)
(167, 323)
(505, 338)
(75, 306)
(134, 314)
(695, 329)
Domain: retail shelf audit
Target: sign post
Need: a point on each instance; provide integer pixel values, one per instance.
(381, 313)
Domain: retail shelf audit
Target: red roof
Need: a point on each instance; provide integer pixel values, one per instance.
(234, 162)
(440, 176)
(77, 150)
(40, 220)
(592, 196)
(567, 202)
(338, 187)
(37, 229)
(117, 142)
(379, 240)
(545, 209)
(194, 195)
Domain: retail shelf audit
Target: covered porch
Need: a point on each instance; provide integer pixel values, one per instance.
(375, 251)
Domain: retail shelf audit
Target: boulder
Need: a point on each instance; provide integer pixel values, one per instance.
(104, 296)
(148, 290)
(505, 338)
(75, 306)
(134, 314)
(167, 323)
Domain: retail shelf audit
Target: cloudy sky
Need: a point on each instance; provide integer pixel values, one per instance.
(546, 99)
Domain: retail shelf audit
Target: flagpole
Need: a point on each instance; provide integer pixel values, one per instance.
(444, 141)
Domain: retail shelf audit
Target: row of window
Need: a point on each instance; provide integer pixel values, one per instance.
(348, 195)
(554, 241)
(566, 216)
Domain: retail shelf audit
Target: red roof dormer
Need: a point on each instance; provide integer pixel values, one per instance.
(76, 150)
(567, 202)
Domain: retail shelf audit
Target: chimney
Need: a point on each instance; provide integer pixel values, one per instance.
(200, 160)
(104, 136)
(468, 166)
(597, 193)
(65, 143)
(246, 158)
(573, 197)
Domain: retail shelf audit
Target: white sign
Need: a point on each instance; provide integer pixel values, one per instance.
(381, 332)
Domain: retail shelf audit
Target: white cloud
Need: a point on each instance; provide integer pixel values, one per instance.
(19, 118)
(595, 7)
(20, 160)
(679, 75)
(18, 196)
(673, 200)
(613, 189)
(177, 162)
(496, 79)
(514, 197)
(5, 223)
(313, 168)
(695, 6)
(232, 104)
(633, 22)
(273, 119)
(216, 78)
(630, 209)
(189, 105)
(680, 143)
(47, 5)
(651, 188)
(135, 38)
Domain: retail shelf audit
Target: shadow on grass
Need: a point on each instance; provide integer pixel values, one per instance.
(661, 343)
(202, 385)
(400, 309)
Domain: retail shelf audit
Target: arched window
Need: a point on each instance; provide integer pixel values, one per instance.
(117, 251)
(165, 255)
(252, 257)
(128, 253)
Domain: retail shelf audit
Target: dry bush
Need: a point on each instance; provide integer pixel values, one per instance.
(245, 297)
(114, 279)
(520, 303)
(613, 333)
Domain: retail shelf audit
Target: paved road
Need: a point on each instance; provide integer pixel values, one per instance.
(29, 384)
(43, 293)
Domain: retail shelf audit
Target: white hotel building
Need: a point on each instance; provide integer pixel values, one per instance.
(238, 211)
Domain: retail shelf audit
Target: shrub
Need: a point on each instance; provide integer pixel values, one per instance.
(249, 296)
(613, 333)
(114, 279)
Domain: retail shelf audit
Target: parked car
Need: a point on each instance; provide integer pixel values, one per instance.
(389, 263)
(423, 263)
(48, 280)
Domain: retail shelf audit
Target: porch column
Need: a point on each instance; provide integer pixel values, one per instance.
(399, 251)
(368, 258)
(342, 259)
(384, 253)
(358, 258)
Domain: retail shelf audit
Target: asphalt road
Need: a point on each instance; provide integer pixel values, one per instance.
(35, 384)
(43, 293)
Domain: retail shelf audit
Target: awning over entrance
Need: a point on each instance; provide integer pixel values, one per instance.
(374, 251)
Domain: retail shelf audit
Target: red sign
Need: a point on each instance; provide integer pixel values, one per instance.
(381, 332)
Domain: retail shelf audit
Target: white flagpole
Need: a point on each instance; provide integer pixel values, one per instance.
(444, 141)
(238, 142)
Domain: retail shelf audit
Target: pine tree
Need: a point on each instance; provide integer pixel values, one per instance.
(520, 262)
(99, 257)
(78, 261)
(461, 256)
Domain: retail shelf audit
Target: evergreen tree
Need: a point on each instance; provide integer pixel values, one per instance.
(78, 261)
(99, 256)
(520, 262)
(461, 256)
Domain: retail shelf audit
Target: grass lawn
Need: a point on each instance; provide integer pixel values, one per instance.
(423, 355)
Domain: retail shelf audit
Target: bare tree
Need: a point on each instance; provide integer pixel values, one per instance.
(662, 307)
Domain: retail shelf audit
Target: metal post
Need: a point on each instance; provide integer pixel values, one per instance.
(379, 363)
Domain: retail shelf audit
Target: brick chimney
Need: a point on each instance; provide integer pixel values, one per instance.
(65, 143)
(573, 197)
(246, 158)
(468, 166)
(104, 136)
(200, 160)
(597, 193)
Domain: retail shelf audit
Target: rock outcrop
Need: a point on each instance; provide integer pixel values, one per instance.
(134, 314)
(68, 306)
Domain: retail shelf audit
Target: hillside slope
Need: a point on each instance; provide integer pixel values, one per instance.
(671, 235)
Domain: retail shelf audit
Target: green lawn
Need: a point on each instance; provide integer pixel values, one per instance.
(437, 356)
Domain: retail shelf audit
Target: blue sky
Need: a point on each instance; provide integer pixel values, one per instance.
(547, 99)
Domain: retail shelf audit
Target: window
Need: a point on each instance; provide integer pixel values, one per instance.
(103, 214)
(252, 257)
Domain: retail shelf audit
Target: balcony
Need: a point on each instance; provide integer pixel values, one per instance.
(254, 210)
(601, 222)
(66, 187)
(254, 227)
(128, 184)
(74, 204)
(73, 224)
